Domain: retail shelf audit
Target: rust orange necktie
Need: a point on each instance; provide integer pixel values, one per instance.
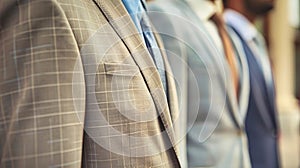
(228, 49)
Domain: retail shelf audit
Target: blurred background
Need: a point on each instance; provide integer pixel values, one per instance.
(282, 32)
(281, 29)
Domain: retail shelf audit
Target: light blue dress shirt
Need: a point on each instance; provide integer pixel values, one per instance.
(137, 12)
(254, 39)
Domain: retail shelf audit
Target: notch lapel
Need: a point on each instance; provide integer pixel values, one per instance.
(243, 98)
(218, 59)
(121, 22)
(172, 95)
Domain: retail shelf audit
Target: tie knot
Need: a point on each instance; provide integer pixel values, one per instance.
(218, 19)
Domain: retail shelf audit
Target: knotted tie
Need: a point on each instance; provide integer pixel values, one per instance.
(228, 49)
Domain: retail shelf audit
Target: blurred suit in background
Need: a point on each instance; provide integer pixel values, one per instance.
(261, 119)
(215, 121)
(79, 88)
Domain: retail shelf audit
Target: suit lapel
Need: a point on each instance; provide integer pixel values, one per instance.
(261, 46)
(244, 84)
(257, 82)
(219, 60)
(222, 67)
(172, 93)
(244, 74)
(120, 20)
(258, 87)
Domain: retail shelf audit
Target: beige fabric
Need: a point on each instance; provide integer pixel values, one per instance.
(78, 88)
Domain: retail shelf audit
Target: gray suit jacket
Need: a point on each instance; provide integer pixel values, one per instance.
(215, 135)
(78, 88)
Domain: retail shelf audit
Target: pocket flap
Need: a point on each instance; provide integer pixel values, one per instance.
(121, 69)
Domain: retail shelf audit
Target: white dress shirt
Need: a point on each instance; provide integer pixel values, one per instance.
(204, 9)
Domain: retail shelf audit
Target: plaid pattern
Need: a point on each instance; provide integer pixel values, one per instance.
(79, 89)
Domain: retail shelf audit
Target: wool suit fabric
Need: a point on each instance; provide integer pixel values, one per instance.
(212, 120)
(78, 88)
(261, 119)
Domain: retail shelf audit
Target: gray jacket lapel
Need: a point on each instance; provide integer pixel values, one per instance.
(220, 64)
(244, 74)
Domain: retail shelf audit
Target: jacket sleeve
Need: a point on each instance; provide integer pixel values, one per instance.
(41, 86)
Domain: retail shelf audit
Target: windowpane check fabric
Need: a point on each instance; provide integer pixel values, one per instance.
(76, 88)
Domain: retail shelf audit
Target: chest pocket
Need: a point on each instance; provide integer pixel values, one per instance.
(122, 95)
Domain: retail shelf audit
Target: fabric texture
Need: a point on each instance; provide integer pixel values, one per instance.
(228, 49)
(137, 12)
(78, 88)
(261, 118)
(214, 134)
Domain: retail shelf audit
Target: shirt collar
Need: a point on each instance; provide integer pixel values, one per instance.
(203, 8)
(242, 25)
(135, 8)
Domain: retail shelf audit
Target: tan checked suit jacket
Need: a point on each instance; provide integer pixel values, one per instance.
(78, 88)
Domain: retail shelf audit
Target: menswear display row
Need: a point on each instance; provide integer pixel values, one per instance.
(122, 83)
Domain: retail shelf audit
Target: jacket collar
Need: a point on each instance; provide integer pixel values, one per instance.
(120, 20)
